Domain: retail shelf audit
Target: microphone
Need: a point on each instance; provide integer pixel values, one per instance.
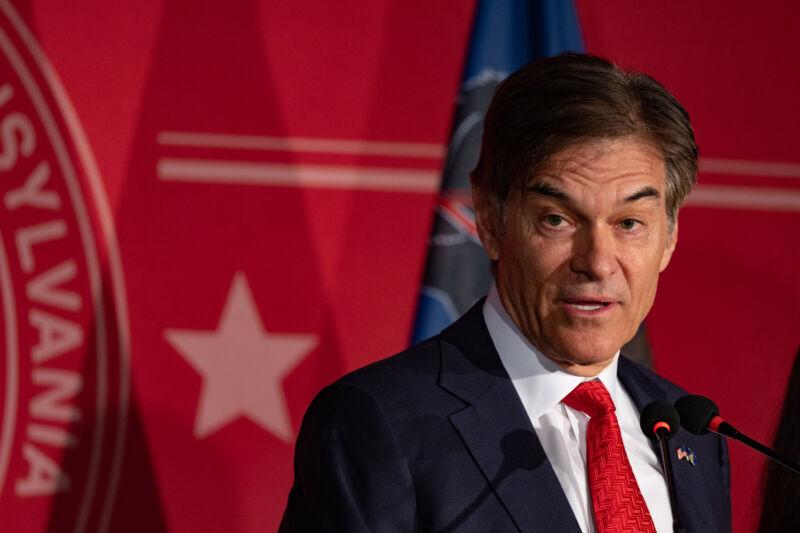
(659, 422)
(659, 419)
(699, 415)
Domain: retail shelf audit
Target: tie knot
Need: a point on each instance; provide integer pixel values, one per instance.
(590, 397)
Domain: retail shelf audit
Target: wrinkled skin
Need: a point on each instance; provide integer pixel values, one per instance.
(583, 246)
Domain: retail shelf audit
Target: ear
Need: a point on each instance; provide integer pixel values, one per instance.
(486, 222)
(673, 240)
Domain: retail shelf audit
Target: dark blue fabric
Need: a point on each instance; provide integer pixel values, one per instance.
(436, 439)
(506, 34)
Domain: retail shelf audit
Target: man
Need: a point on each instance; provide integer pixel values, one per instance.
(488, 427)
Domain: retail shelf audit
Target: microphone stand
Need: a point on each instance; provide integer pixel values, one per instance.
(662, 434)
(723, 428)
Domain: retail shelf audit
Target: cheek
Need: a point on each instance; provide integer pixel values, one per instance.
(546, 268)
(534, 265)
(643, 281)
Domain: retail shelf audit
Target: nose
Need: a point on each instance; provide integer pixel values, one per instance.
(594, 253)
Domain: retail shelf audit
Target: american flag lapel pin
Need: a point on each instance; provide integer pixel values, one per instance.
(686, 453)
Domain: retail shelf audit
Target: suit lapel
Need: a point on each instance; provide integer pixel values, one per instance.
(495, 428)
(690, 486)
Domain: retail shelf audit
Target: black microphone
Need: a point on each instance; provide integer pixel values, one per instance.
(660, 421)
(699, 415)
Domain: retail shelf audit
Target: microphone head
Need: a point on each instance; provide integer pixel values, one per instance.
(658, 414)
(696, 412)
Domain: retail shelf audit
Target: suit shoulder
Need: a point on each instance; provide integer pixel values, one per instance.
(415, 366)
(402, 387)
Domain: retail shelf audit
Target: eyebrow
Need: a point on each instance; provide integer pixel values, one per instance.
(644, 192)
(545, 189)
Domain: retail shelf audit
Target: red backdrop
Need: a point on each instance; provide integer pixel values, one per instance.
(210, 212)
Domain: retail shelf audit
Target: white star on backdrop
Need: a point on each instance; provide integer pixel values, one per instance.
(242, 366)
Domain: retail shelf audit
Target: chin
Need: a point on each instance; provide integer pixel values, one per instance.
(589, 351)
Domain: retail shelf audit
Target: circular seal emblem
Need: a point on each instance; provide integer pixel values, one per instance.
(63, 323)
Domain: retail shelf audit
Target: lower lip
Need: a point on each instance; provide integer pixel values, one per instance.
(600, 311)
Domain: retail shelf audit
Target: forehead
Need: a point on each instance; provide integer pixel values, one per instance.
(622, 162)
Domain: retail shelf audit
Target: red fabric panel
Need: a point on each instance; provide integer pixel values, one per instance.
(243, 299)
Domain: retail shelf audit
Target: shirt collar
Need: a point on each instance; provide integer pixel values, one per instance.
(539, 381)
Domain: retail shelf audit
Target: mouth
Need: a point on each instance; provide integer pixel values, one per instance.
(592, 305)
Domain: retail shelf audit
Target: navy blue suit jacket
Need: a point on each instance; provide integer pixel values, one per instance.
(436, 439)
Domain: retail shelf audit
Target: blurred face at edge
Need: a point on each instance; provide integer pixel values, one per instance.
(583, 245)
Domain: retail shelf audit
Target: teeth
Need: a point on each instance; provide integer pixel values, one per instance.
(587, 307)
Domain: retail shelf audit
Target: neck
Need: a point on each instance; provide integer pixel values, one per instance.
(586, 371)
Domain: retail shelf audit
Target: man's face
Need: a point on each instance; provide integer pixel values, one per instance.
(584, 244)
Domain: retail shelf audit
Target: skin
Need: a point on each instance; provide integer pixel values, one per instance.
(589, 230)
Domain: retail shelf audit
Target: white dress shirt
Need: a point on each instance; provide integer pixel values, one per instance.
(541, 385)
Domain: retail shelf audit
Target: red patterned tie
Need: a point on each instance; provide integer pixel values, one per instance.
(616, 499)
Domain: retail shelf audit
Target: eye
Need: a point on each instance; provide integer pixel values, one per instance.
(629, 224)
(554, 220)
